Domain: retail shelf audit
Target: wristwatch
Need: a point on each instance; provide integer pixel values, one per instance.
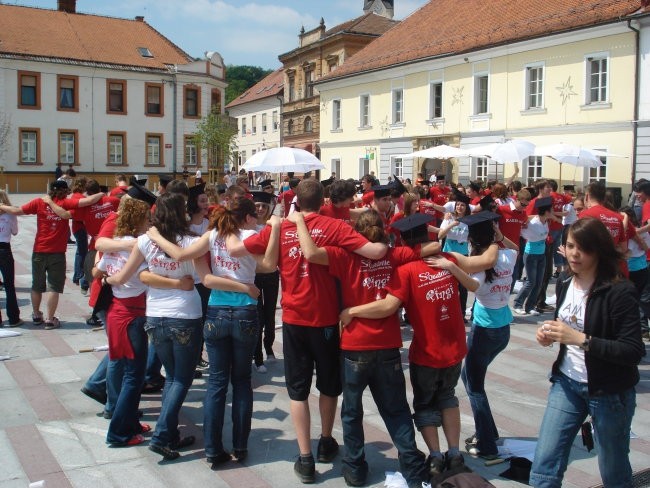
(585, 344)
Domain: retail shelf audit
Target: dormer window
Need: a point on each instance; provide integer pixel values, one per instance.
(144, 52)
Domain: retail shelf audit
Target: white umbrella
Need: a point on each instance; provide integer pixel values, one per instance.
(283, 160)
(570, 154)
(512, 151)
(438, 152)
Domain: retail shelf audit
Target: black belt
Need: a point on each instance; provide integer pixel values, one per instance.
(5, 245)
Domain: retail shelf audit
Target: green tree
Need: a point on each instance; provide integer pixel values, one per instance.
(216, 134)
(241, 78)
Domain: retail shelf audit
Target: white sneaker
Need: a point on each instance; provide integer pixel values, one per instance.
(534, 312)
(520, 311)
(261, 369)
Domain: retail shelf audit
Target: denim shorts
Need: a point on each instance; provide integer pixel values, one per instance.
(433, 391)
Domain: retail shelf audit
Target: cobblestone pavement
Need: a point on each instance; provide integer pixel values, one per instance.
(50, 431)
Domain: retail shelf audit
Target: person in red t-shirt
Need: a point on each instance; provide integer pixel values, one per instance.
(50, 244)
(594, 200)
(342, 194)
(286, 197)
(513, 218)
(367, 182)
(430, 296)
(473, 190)
(121, 185)
(310, 319)
(370, 348)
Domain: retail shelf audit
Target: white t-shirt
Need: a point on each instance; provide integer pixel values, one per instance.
(112, 262)
(199, 229)
(170, 302)
(572, 312)
(535, 231)
(240, 269)
(8, 227)
(571, 216)
(458, 233)
(496, 294)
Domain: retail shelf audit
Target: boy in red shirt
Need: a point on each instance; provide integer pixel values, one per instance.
(310, 319)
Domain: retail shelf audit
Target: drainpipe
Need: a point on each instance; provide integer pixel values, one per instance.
(635, 121)
(175, 127)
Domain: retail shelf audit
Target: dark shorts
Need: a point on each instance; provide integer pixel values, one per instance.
(433, 391)
(50, 265)
(306, 347)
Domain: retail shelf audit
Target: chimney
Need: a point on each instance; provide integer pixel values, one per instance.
(139, 18)
(69, 6)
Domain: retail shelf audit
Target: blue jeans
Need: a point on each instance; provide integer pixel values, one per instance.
(569, 403)
(381, 370)
(177, 343)
(534, 264)
(230, 335)
(483, 345)
(124, 423)
(7, 268)
(152, 371)
(81, 237)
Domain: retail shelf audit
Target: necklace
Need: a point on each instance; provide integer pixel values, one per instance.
(573, 319)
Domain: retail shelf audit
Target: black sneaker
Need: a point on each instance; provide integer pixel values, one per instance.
(99, 397)
(454, 462)
(94, 321)
(436, 465)
(353, 478)
(305, 469)
(327, 450)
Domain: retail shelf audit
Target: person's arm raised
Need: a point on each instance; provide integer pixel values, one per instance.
(463, 278)
(58, 210)
(269, 261)
(135, 260)
(310, 250)
(86, 201)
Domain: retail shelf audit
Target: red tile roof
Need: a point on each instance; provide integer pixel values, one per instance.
(445, 27)
(267, 87)
(51, 34)
(369, 23)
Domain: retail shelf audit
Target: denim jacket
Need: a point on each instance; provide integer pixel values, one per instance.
(616, 348)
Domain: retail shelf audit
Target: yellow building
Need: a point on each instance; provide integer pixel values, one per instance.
(537, 73)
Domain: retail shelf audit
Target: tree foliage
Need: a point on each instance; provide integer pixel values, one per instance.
(216, 134)
(241, 78)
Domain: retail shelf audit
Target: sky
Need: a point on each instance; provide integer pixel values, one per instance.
(243, 32)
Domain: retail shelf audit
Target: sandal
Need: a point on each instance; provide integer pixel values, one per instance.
(144, 428)
(133, 441)
(37, 318)
(53, 323)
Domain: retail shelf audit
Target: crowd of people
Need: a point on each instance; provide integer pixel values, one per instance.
(199, 268)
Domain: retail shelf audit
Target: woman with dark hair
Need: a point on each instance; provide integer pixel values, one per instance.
(231, 327)
(597, 326)
(173, 318)
(490, 331)
(370, 348)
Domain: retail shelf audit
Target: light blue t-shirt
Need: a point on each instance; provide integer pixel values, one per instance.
(538, 247)
(220, 298)
(491, 318)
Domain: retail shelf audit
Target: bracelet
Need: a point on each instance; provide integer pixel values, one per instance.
(499, 242)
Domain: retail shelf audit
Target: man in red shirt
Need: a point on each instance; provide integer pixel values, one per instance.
(50, 244)
(342, 194)
(594, 198)
(310, 319)
(285, 198)
(121, 185)
(513, 218)
(430, 297)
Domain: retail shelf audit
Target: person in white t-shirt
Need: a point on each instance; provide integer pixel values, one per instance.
(8, 228)
(173, 318)
(231, 327)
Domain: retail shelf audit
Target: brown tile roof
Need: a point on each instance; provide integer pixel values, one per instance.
(267, 87)
(52, 34)
(445, 27)
(369, 23)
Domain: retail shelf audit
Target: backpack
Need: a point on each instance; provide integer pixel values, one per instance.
(464, 480)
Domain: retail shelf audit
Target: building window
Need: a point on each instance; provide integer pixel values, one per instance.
(117, 148)
(397, 167)
(154, 99)
(364, 111)
(398, 106)
(336, 166)
(116, 97)
(534, 169)
(191, 152)
(534, 87)
(481, 168)
(192, 101)
(275, 120)
(215, 101)
(263, 123)
(599, 173)
(29, 90)
(435, 100)
(154, 150)
(243, 157)
(481, 94)
(292, 89)
(309, 80)
(68, 149)
(243, 127)
(68, 93)
(596, 80)
(30, 150)
(336, 114)
(290, 127)
(254, 124)
(309, 125)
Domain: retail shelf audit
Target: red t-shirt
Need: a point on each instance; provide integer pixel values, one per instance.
(77, 224)
(368, 197)
(94, 215)
(612, 220)
(51, 230)
(107, 230)
(118, 190)
(511, 222)
(559, 201)
(334, 212)
(430, 296)
(286, 198)
(363, 281)
(308, 290)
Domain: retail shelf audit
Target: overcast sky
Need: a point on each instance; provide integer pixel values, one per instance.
(242, 31)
